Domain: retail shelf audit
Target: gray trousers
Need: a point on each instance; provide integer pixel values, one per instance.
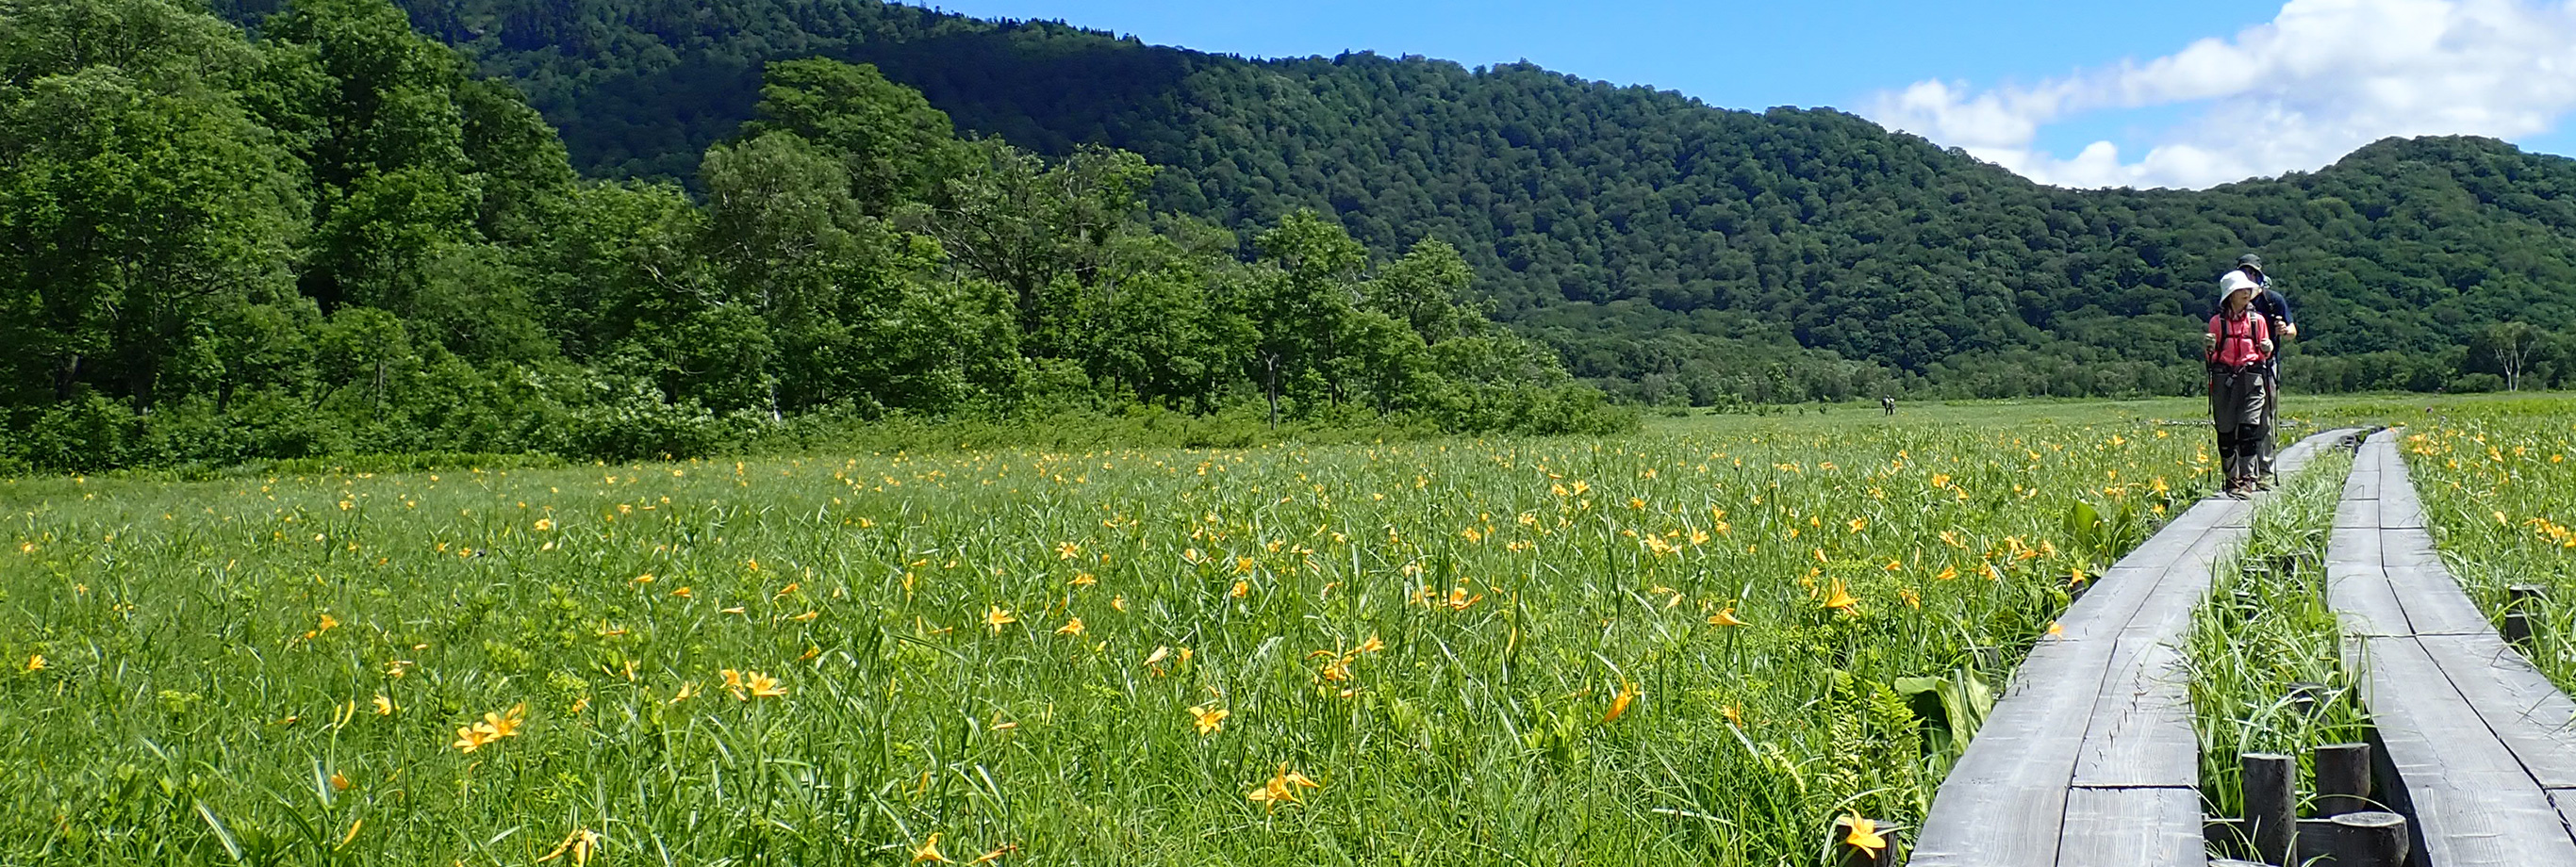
(2271, 445)
(2240, 407)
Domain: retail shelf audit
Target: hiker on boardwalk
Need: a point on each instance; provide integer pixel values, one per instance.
(2238, 347)
(2275, 310)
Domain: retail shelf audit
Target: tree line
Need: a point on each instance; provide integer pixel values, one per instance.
(1667, 250)
(336, 238)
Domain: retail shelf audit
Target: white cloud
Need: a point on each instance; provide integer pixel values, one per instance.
(2324, 77)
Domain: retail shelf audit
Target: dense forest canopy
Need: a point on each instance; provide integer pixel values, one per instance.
(1667, 249)
(336, 238)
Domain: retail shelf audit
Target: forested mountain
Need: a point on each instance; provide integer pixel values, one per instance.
(336, 239)
(331, 233)
(1666, 248)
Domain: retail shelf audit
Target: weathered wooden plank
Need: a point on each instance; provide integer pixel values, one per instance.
(2365, 603)
(2434, 603)
(2519, 704)
(2357, 587)
(2367, 464)
(2399, 506)
(2356, 547)
(2108, 607)
(2167, 610)
(2297, 456)
(2565, 799)
(2145, 827)
(2476, 735)
(2408, 547)
(2392, 459)
(2104, 701)
(2004, 803)
(2357, 514)
(2474, 801)
(2119, 594)
(2141, 734)
(2239, 515)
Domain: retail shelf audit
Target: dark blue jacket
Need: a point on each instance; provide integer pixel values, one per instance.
(2276, 307)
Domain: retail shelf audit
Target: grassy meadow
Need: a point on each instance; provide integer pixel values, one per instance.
(1700, 643)
(2498, 480)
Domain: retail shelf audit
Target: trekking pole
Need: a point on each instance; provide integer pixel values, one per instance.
(2217, 468)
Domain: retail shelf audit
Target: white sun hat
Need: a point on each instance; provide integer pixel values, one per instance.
(2234, 281)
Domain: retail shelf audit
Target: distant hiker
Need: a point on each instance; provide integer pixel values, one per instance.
(2275, 310)
(1887, 402)
(2239, 345)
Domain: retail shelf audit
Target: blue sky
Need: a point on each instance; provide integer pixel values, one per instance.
(2023, 83)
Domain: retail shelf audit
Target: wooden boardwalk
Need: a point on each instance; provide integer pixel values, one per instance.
(2090, 757)
(2482, 744)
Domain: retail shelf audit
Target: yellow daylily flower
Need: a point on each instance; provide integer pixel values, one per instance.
(581, 844)
(1839, 598)
(1209, 720)
(929, 851)
(1864, 835)
(469, 739)
(1282, 787)
(1619, 703)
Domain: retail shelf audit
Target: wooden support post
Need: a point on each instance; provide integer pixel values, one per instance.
(2366, 839)
(2521, 605)
(2304, 696)
(2225, 835)
(2343, 779)
(2372, 838)
(1847, 855)
(2316, 839)
(2271, 805)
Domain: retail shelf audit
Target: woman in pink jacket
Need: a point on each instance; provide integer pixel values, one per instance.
(2237, 345)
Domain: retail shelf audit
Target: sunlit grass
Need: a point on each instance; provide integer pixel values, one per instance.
(2498, 481)
(1442, 652)
(2265, 650)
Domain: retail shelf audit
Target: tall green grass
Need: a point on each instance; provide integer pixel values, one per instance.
(1496, 651)
(2265, 650)
(2498, 482)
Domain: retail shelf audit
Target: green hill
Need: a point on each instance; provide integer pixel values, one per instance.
(1662, 245)
(332, 234)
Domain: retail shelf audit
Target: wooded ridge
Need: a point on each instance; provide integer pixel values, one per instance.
(330, 234)
(1667, 249)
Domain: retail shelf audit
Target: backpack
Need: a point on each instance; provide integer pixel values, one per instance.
(2237, 351)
